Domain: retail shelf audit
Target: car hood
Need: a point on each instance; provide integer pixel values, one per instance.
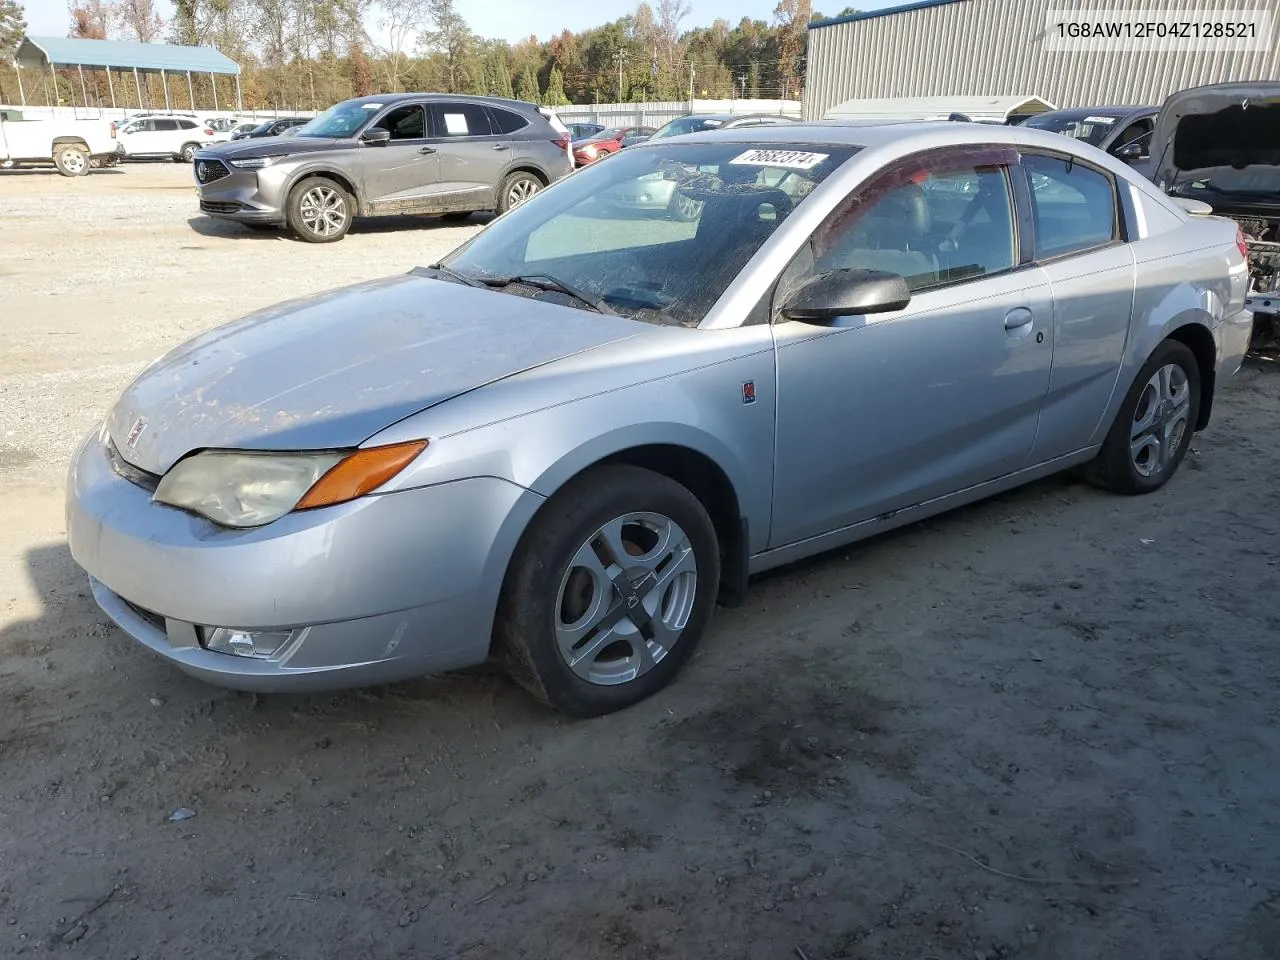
(331, 370)
(1225, 126)
(275, 147)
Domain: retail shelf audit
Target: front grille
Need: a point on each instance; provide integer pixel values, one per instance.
(208, 171)
(219, 206)
(151, 617)
(144, 479)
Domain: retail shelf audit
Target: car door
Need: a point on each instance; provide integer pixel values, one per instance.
(401, 175)
(880, 412)
(141, 138)
(1078, 243)
(168, 136)
(473, 160)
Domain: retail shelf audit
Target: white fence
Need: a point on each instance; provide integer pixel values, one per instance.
(657, 113)
(653, 114)
(118, 113)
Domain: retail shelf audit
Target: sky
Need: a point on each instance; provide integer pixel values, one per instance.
(508, 19)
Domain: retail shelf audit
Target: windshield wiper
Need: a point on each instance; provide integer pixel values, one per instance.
(453, 274)
(544, 282)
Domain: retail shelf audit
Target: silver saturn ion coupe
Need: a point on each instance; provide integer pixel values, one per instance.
(561, 445)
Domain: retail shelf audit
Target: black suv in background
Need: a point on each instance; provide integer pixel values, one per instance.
(271, 128)
(403, 153)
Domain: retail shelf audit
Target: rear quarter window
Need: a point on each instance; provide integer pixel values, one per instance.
(506, 121)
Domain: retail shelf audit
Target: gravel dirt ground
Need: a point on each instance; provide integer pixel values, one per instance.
(1044, 726)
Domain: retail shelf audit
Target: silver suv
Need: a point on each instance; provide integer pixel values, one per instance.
(404, 153)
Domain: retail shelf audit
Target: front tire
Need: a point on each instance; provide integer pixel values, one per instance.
(609, 592)
(1153, 427)
(71, 159)
(319, 211)
(516, 189)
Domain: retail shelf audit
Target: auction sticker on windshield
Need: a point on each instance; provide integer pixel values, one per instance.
(794, 159)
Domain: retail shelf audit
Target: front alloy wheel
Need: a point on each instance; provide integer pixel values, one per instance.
(609, 591)
(626, 598)
(319, 211)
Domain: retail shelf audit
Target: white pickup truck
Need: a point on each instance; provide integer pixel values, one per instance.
(73, 146)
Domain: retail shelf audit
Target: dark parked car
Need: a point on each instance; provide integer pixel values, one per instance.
(584, 131)
(403, 153)
(606, 142)
(1124, 132)
(1216, 148)
(700, 122)
(272, 128)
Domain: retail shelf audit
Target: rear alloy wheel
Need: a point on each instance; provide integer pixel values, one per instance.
(71, 159)
(609, 592)
(516, 189)
(1153, 427)
(188, 154)
(319, 211)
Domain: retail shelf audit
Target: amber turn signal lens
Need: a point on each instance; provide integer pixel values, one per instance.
(359, 473)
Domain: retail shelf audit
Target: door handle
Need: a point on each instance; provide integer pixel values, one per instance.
(1018, 322)
(427, 150)
(501, 146)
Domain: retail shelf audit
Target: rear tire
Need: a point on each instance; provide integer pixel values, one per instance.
(319, 210)
(516, 189)
(588, 635)
(71, 159)
(188, 153)
(1153, 426)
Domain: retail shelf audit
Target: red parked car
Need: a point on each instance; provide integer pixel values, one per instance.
(606, 142)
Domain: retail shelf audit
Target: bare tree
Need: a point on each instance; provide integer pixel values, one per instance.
(90, 19)
(670, 13)
(138, 20)
(402, 19)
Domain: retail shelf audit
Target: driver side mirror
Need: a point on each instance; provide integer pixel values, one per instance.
(843, 293)
(378, 136)
(1131, 152)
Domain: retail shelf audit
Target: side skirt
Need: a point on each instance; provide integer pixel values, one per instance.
(791, 552)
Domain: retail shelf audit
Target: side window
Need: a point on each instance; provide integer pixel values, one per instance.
(932, 227)
(187, 124)
(1073, 206)
(141, 126)
(406, 123)
(459, 120)
(505, 121)
(166, 124)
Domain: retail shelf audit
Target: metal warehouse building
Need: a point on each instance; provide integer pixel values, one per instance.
(999, 47)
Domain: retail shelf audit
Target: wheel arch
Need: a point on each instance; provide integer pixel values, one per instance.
(70, 141)
(678, 454)
(527, 166)
(329, 172)
(1199, 339)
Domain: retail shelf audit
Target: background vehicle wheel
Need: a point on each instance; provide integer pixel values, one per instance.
(1153, 427)
(319, 211)
(684, 208)
(609, 592)
(188, 153)
(516, 189)
(71, 159)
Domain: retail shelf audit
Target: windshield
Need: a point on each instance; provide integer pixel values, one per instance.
(685, 125)
(1091, 129)
(657, 233)
(340, 121)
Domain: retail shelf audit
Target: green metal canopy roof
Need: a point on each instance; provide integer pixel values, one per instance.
(43, 52)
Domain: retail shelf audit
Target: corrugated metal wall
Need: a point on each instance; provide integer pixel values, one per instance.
(656, 113)
(994, 47)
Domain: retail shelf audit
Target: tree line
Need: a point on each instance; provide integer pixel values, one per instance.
(308, 54)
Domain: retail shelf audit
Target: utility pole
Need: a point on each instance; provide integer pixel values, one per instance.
(691, 85)
(618, 58)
